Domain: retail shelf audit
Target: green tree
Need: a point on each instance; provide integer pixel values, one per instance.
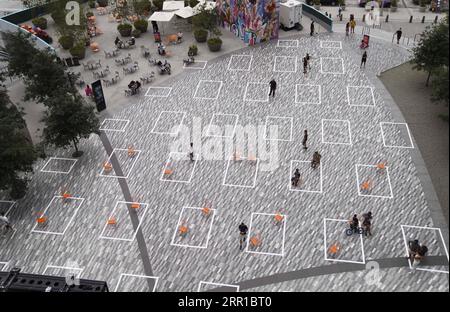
(68, 119)
(431, 53)
(17, 153)
(40, 70)
(439, 83)
(207, 19)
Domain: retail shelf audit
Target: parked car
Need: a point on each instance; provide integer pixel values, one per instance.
(386, 3)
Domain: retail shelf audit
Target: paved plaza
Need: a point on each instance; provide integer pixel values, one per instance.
(348, 114)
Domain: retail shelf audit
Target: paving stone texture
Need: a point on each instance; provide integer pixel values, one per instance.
(180, 268)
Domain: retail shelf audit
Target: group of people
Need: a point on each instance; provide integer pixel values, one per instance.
(134, 86)
(350, 26)
(315, 162)
(120, 44)
(366, 223)
(416, 253)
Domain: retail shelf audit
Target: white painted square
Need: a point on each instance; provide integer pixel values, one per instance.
(202, 285)
(262, 229)
(59, 165)
(285, 64)
(435, 246)
(310, 179)
(126, 163)
(200, 65)
(330, 44)
(3, 266)
(284, 128)
(240, 62)
(168, 122)
(360, 96)
(6, 206)
(392, 137)
(282, 43)
(199, 225)
(57, 224)
(160, 92)
(332, 65)
(180, 174)
(208, 90)
(378, 178)
(346, 243)
(336, 131)
(117, 125)
(250, 165)
(222, 125)
(135, 283)
(62, 271)
(256, 92)
(308, 94)
(123, 230)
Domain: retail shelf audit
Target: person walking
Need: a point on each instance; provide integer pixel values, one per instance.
(296, 178)
(347, 29)
(413, 247)
(4, 222)
(316, 160)
(88, 91)
(418, 257)
(352, 25)
(311, 29)
(399, 35)
(305, 139)
(273, 86)
(243, 229)
(363, 59)
(191, 152)
(308, 60)
(367, 225)
(305, 66)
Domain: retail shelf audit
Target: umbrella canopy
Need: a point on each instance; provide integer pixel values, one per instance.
(185, 12)
(161, 17)
(173, 5)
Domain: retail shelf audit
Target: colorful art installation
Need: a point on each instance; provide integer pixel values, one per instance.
(254, 21)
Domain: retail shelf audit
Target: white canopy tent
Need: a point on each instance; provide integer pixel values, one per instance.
(185, 12)
(173, 5)
(161, 17)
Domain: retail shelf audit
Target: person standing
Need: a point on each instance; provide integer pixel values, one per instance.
(312, 29)
(191, 152)
(243, 229)
(399, 35)
(305, 66)
(308, 60)
(316, 160)
(305, 139)
(88, 91)
(273, 86)
(363, 60)
(4, 221)
(352, 25)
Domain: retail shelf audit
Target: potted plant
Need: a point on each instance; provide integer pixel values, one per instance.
(158, 4)
(193, 50)
(423, 6)
(136, 33)
(214, 44)
(66, 42)
(125, 29)
(78, 50)
(40, 22)
(316, 4)
(91, 4)
(393, 5)
(200, 35)
(141, 25)
(102, 3)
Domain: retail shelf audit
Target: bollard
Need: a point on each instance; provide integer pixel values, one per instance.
(410, 19)
(387, 18)
(423, 19)
(436, 19)
(364, 18)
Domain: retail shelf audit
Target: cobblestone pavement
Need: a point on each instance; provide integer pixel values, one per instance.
(297, 243)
